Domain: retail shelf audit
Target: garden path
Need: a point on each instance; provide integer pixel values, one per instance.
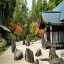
(8, 57)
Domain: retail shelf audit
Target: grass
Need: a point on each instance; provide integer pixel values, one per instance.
(1, 52)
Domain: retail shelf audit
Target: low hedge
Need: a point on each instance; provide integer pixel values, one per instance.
(2, 46)
(3, 43)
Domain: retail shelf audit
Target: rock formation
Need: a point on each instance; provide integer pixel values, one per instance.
(37, 61)
(27, 41)
(13, 45)
(29, 56)
(52, 54)
(18, 54)
(38, 52)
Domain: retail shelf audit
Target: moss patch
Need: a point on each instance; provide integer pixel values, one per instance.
(1, 52)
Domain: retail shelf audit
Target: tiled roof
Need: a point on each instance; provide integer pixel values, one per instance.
(51, 17)
(54, 16)
(4, 28)
(60, 7)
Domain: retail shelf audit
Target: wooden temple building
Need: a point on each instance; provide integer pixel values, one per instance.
(54, 30)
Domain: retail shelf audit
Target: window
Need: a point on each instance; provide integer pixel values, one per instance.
(61, 36)
(55, 37)
(58, 37)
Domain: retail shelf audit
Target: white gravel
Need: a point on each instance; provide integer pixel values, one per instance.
(8, 57)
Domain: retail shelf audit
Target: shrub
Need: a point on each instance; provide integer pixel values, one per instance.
(11, 36)
(32, 31)
(2, 44)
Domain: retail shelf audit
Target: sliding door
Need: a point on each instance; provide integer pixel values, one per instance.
(55, 37)
(61, 37)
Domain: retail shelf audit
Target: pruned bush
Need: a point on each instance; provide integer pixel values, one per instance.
(11, 36)
(3, 44)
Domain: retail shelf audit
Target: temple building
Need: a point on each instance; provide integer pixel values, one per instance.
(54, 20)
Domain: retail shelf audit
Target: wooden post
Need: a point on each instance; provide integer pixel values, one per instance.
(51, 33)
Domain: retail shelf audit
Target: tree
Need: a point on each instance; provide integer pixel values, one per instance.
(7, 7)
(51, 0)
(39, 9)
(50, 6)
(44, 5)
(57, 2)
(33, 12)
(20, 14)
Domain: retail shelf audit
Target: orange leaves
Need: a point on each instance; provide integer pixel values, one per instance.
(17, 28)
(38, 31)
(36, 28)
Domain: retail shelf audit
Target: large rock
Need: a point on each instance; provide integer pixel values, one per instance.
(38, 52)
(52, 54)
(37, 61)
(13, 45)
(44, 43)
(18, 54)
(29, 57)
(27, 41)
(56, 61)
(23, 42)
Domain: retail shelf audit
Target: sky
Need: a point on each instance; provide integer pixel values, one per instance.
(29, 4)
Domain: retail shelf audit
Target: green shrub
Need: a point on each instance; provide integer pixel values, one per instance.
(11, 36)
(32, 32)
(3, 43)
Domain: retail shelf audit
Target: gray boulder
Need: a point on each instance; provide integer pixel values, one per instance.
(38, 52)
(37, 61)
(23, 42)
(29, 57)
(27, 41)
(18, 54)
(52, 54)
(13, 45)
(56, 61)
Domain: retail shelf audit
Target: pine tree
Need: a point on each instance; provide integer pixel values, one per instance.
(7, 8)
(51, 0)
(20, 14)
(44, 5)
(53, 3)
(39, 9)
(33, 12)
(57, 2)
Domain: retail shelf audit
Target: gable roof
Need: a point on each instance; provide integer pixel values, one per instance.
(55, 16)
(60, 7)
(51, 17)
(4, 28)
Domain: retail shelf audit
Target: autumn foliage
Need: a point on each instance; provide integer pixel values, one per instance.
(39, 32)
(34, 28)
(16, 28)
